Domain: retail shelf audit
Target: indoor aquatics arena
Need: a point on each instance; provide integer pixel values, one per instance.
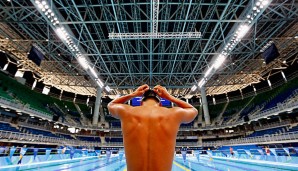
(139, 85)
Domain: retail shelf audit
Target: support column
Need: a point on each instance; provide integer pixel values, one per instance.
(96, 108)
(205, 106)
(200, 118)
(279, 118)
(102, 115)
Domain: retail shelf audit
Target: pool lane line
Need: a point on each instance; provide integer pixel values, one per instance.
(260, 164)
(175, 163)
(103, 165)
(180, 166)
(53, 165)
(46, 162)
(209, 167)
(238, 167)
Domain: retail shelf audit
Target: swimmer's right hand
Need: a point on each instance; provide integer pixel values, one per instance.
(141, 90)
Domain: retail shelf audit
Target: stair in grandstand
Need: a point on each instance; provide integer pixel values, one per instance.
(293, 127)
(14, 126)
(293, 98)
(219, 118)
(257, 110)
(84, 119)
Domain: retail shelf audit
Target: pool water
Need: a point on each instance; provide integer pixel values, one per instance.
(114, 164)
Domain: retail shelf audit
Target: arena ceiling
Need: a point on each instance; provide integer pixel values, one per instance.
(175, 59)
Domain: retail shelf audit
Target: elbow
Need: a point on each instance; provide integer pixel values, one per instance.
(110, 108)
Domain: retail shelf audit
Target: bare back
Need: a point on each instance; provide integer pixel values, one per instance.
(149, 134)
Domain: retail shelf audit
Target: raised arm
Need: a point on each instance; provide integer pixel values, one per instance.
(117, 106)
(185, 111)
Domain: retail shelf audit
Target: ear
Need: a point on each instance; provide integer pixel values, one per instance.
(141, 103)
(160, 104)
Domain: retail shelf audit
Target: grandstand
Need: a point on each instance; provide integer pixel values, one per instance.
(62, 63)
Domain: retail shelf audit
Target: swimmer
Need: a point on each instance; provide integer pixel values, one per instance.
(150, 130)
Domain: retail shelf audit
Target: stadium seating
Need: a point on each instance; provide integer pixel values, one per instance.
(90, 139)
(113, 139)
(4, 94)
(65, 136)
(115, 124)
(40, 132)
(293, 129)
(187, 125)
(7, 127)
(279, 98)
(186, 140)
(267, 131)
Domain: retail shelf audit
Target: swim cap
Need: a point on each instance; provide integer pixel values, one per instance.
(152, 94)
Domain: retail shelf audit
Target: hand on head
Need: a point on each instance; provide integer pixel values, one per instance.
(161, 92)
(141, 90)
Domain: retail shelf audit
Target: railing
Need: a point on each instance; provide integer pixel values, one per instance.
(290, 136)
(27, 125)
(6, 120)
(273, 125)
(275, 138)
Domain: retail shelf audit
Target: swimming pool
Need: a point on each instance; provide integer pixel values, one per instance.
(115, 164)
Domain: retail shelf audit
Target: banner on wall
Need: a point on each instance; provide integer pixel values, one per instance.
(273, 151)
(248, 152)
(11, 152)
(84, 152)
(22, 153)
(72, 151)
(121, 153)
(184, 154)
(35, 152)
(197, 154)
(261, 151)
(209, 152)
(287, 151)
(48, 152)
(59, 151)
(108, 153)
(2, 149)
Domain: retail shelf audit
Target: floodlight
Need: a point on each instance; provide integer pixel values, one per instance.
(243, 29)
(208, 72)
(62, 33)
(93, 72)
(99, 82)
(83, 62)
(219, 61)
(108, 88)
(193, 88)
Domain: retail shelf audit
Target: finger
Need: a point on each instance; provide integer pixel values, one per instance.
(156, 87)
(142, 87)
(147, 88)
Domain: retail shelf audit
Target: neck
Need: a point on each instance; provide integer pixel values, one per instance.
(150, 102)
